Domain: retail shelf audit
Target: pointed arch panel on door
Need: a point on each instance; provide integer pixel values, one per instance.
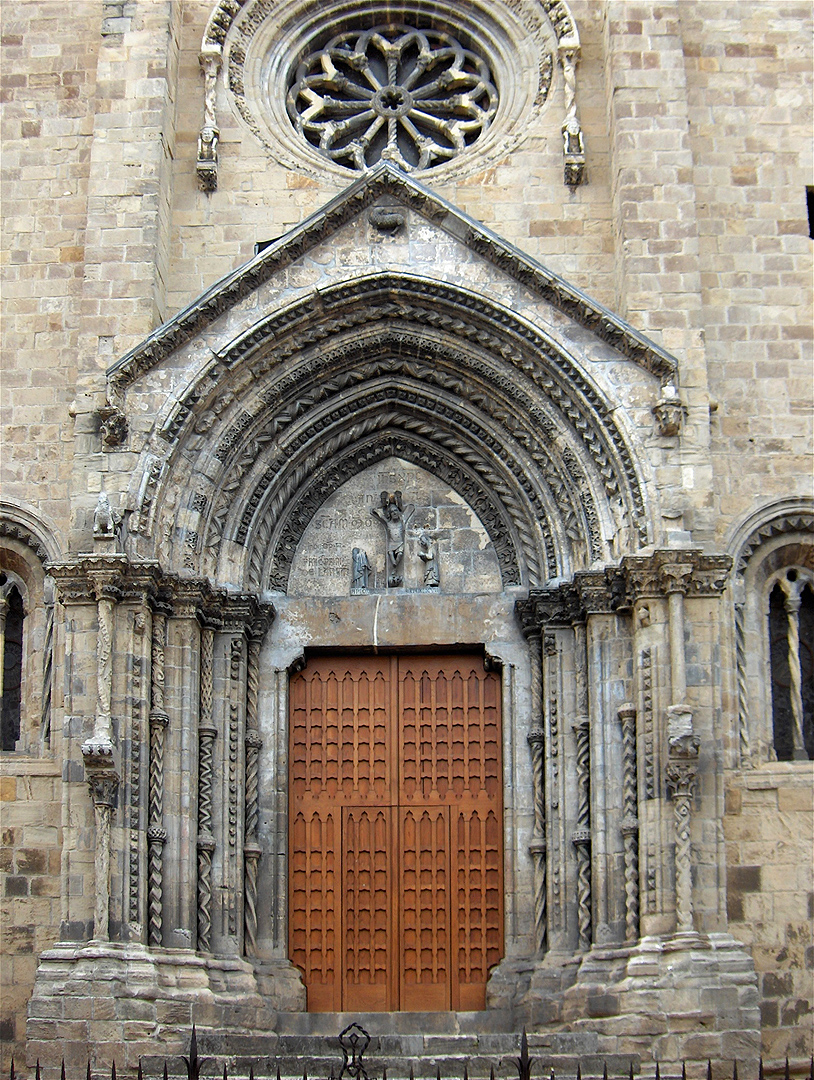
(396, 888)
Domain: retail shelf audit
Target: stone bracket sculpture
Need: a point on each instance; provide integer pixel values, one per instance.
(209, 135)
(573, 140)
(669, 411)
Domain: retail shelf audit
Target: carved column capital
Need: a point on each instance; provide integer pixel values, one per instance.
(674, 577)
(681, 769)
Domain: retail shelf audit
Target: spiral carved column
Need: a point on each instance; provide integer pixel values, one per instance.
(536, 740)
(207, 733)
(792, 596)
(156, 833)
(251, 848)
(582, 834)
(630, 820)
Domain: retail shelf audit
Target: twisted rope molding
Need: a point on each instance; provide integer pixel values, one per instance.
(156, 834)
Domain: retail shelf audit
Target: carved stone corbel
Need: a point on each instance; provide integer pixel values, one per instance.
(669, 411)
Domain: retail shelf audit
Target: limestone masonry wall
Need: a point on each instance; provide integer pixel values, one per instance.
(691, 225)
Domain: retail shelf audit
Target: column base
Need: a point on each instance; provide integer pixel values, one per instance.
(101, 1001)
(668, 998)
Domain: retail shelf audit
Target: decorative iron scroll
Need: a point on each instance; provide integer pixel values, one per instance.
(416, 98)
(354, 1040)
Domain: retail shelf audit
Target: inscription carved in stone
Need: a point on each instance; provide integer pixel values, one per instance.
(457, 538)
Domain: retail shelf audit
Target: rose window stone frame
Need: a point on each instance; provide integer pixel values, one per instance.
(253, 52)
(413, 97)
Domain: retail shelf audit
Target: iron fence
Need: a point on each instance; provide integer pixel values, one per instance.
(354, 1041)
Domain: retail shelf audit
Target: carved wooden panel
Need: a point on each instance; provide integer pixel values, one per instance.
(396, 833)
(367, 912)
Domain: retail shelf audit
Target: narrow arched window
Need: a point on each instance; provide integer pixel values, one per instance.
(11, 638)
(791, 636)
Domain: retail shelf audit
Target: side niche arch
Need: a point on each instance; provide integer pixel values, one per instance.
(27, 546)
(385, 365)
(773, 553)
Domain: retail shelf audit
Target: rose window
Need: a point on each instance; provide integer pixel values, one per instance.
(413, 97)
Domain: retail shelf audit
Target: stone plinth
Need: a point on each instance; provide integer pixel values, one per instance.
(101, 1001)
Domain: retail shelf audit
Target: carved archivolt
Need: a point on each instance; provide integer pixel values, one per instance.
(310, 396)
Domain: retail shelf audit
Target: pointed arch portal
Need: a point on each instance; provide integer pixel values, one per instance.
(390, 365)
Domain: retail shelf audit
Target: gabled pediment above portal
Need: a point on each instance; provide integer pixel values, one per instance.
(389, 223)
(390, 325)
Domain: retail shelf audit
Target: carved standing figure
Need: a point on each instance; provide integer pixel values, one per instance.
(428, 553)
(105, 519)
(360, 573)
(394, 518)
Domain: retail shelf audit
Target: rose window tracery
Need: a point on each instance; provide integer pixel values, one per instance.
(414, 97)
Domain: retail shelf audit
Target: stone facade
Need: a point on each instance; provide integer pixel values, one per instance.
(578, 349)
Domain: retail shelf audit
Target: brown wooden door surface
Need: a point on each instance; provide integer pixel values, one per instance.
(395, 834)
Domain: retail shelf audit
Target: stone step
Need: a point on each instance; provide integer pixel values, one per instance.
(309, 1044)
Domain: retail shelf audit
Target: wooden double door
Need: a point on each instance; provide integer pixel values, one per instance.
(395, 831)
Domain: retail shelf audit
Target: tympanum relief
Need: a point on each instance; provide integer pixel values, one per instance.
(394, 527)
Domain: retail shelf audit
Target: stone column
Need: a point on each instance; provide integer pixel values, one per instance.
(103, 782)
(536, 740)
(156, 833)
(251, 847)
(581, 837)
(792, 593)
(630, 820)
(207, 733)
(582, 834)
(653, 695)
(97, 751)
(3, 611)
(681, 772)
